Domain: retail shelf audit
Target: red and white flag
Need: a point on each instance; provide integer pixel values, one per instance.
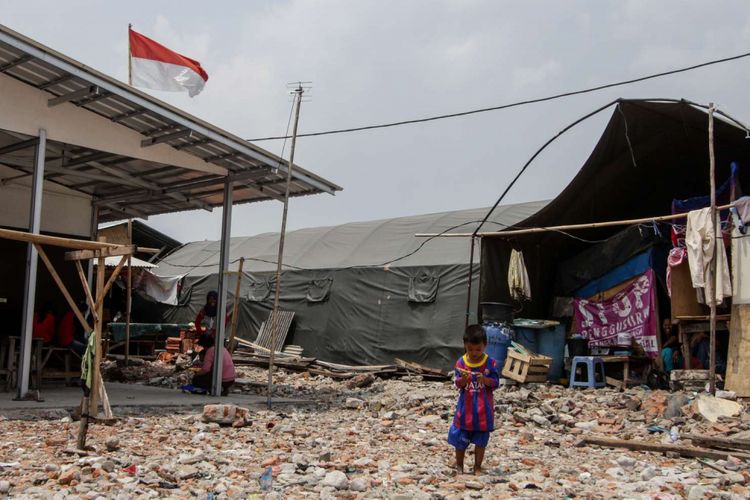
(154, 66)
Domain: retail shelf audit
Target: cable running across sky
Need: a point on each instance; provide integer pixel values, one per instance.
(514, 104)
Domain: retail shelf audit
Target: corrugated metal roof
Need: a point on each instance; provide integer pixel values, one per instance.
(141, 188)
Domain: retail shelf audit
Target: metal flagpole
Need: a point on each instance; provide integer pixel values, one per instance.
(717, 241)
(275, 313)
(130, 58)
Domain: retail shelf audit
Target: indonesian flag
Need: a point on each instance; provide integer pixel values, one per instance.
(154, 66)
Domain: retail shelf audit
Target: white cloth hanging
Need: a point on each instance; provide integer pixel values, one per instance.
(163, 289)
(700, 242)
(741, 253)
(518, 278)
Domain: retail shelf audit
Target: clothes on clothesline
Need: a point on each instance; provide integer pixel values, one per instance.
(741, 253)
(676, 257)
(701, 244)
(518, 277)
(163, 289)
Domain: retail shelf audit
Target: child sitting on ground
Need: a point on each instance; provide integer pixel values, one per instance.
(476, 378)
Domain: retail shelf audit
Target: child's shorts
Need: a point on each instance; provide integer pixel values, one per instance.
(460, 439)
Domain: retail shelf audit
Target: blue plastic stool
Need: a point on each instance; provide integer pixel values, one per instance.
(594, 366)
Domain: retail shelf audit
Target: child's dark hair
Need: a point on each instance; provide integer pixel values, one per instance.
(475, 334)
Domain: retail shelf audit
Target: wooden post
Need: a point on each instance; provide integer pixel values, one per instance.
(61, 285)
(129, 298)
(86, 290)
(717, 242)
(468, 285)
(275, 313)
(236, 306)
(83, 426)
(95, 375)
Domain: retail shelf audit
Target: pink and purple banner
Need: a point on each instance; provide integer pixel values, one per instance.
(631, 314)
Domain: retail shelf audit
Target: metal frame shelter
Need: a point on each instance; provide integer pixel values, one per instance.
(66, 126)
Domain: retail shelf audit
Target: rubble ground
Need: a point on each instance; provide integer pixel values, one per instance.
(383, 440)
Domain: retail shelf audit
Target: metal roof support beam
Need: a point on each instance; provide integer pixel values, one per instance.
(55, 81)
(129, 114)
(12, 148)
(225, 156)
(63, 171)
(162, 130)
(221, 325)
(15, 63)
(126, 212)
(35, 222)
(74, 96)
(83, 160)
(151, 186)
(166, 138)
(93, 99)
(193, 144)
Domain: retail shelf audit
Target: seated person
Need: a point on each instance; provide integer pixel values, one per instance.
(700, 350)
(44, 324)
(66, 332)
(671, 353)
(204, 377)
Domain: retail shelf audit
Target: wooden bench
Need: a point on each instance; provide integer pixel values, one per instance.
(40, 357)
(64, 354)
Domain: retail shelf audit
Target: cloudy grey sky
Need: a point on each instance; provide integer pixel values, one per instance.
(383, 60)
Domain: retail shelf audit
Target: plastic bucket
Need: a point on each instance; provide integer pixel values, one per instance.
(498, 341)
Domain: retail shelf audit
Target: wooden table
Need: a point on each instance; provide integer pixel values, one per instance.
(626, 361)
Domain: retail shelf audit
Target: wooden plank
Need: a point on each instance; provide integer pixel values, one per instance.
(617, 384)
(684, 300)
(685, 451)
(62, 287)
(93, 396)
(86, 289)
(420, 368)
(112, 278)
(236, 306)
(738, 353)
(55, 241)
(100, 252)
(718, 441)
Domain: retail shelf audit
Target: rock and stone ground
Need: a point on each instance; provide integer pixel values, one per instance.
(384, 440)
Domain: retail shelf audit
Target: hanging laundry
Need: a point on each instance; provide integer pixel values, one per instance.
(741, 253)
(700, 243)
(518, 278)
(676, 257)
(163, 289)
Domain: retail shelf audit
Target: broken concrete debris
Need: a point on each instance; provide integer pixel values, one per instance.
(385, 439)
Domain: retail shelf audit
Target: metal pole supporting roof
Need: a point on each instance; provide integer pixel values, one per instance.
(35, 221)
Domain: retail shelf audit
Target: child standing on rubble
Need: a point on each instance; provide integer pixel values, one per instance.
(476, 378)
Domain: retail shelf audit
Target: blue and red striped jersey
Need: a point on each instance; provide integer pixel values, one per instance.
(475, 408)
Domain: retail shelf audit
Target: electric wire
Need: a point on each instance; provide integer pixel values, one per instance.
(514, 104)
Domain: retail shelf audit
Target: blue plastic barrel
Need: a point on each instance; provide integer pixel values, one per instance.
(551, 342)
(498, 340)
(527, 337)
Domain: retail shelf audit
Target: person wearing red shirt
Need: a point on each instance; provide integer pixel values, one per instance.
(44, 324)
(66, 334)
